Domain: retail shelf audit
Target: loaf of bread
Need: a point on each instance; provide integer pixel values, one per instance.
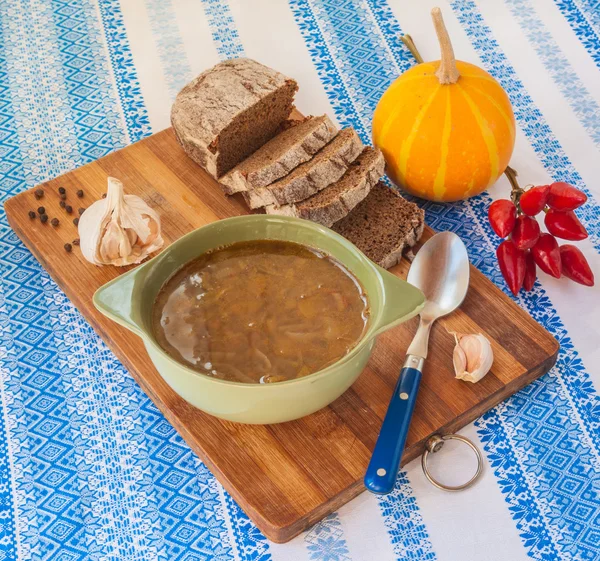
(296, 144)
(336, 201)
(383, 226)
(325, 167)
(229, 111)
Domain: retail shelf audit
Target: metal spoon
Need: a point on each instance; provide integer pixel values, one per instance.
(441, 271)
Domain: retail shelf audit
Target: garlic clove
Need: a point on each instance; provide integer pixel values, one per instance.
(109, 242)
(459, 360)
(473, 356)
(131, 236)
(89, 224)
(114, 243)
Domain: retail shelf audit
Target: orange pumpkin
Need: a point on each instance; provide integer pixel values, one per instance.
(446, 128)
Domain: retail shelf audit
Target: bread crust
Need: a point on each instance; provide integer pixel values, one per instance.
(280, 155)
(325, 168)
(334, 202)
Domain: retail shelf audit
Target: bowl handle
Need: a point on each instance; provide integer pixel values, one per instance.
(401, 301)
(115, 301)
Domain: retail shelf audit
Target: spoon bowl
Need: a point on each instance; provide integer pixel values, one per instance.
(441, 271)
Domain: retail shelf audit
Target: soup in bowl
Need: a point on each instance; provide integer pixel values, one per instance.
(261, 311)
(259, 319)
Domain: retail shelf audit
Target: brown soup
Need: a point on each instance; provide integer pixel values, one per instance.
(260, 311)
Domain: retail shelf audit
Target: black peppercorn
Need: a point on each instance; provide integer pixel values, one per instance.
(63, 196)
(55, 222)
(62, 190)
(44, 218)
(69, 209)
(76, 221)
(41, 210)
(62, 204)
(68, 247)
(31, 214)
(80, 211)
(39, 193)
(76, 241)
(80, 193)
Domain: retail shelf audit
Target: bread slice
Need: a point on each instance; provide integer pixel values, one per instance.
(336, 201)
(298, 142)
(383, 225)
(326, 167)
(229, 111)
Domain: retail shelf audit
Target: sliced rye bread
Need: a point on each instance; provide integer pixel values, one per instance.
(229, 111)
(383, 225)
(296, 144)
(325, 167)
(336, 201)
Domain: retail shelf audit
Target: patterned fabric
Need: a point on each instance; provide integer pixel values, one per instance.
(90, 469)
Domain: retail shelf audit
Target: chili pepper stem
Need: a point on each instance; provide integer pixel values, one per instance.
(516, 190)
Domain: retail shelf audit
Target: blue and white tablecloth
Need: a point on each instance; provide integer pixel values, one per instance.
(89, 469)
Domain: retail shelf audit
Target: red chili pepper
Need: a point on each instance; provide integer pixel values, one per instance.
(502, 215)
(526, 232)
(565, 197)
(575, 265)
(512, 265)
(547, 255)
(530, 272)
(533, 201)
(565, 225)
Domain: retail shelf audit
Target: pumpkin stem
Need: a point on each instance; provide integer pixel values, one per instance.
(447, 73)
(410, 45)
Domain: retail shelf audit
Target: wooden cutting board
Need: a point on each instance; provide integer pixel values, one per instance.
(288, 476)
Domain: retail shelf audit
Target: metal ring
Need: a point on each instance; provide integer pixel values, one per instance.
(434, 444)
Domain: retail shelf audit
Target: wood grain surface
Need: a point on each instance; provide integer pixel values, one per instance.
(285, 477)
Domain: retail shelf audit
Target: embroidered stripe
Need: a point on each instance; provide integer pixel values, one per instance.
(128, 87)
(223, 29)
(165, 31)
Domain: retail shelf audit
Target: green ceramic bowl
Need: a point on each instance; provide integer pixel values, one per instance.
(128, 300)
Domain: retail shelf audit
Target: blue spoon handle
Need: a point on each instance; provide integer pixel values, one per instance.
(385, 461)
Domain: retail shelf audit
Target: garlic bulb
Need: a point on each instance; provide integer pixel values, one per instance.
(120, 229)
(473, 356)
